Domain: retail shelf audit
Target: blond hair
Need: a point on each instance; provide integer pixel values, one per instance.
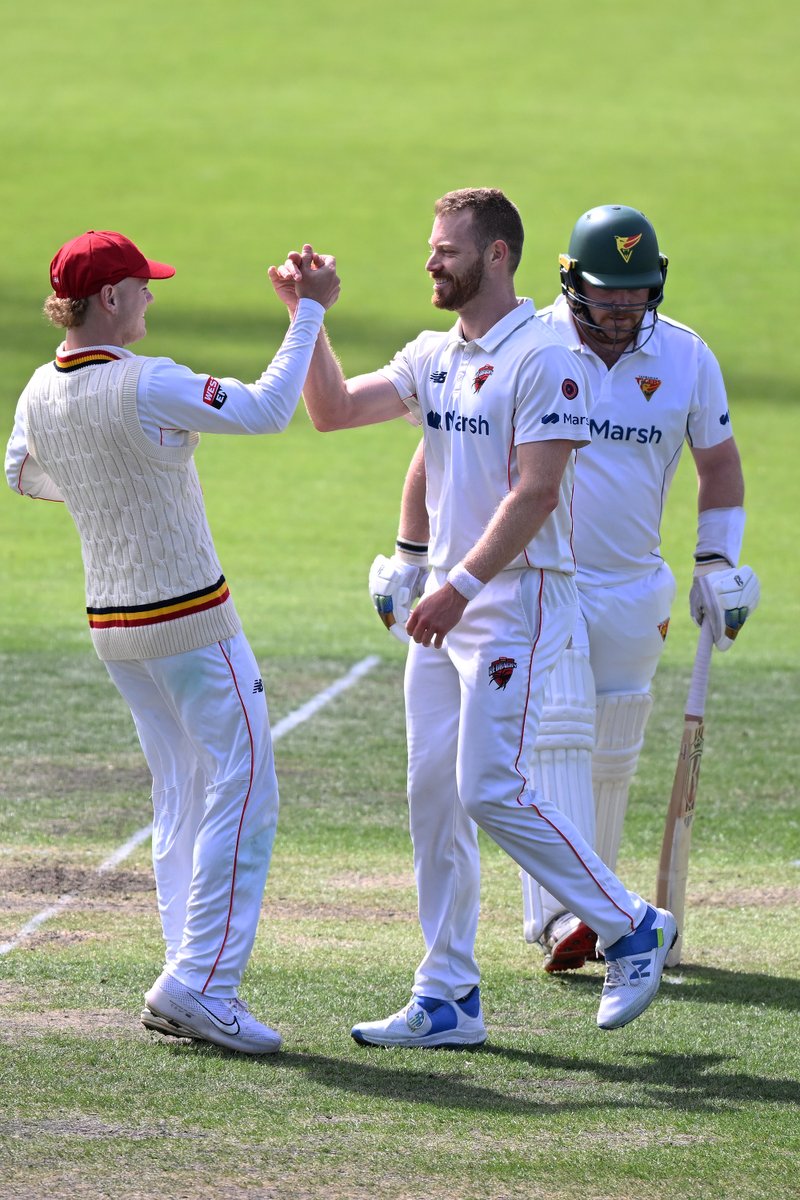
(66, 313)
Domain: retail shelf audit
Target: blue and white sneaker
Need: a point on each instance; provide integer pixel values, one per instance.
(634, 965)
(428, 1022)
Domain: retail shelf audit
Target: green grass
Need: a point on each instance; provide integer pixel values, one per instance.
(704, 1087)
(220, 137)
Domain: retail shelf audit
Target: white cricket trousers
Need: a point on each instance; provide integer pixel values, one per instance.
(203, 725)
(472, 711)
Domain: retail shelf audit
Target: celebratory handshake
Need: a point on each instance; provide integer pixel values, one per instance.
(306, 274)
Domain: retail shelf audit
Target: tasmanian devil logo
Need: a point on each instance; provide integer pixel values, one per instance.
(627, 245)
(501, 670)
(481, 375)
(648, 385)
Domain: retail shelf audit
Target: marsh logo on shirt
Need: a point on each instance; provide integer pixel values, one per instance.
(625, 433)
(213, 393)
(453, 422)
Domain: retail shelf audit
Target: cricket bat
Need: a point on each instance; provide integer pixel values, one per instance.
(674, 862)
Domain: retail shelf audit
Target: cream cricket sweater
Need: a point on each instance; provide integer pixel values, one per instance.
(154, 585)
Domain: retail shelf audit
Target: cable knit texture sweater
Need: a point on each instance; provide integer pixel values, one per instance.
(154, 585)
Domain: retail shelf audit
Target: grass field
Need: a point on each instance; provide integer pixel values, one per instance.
(220, 137)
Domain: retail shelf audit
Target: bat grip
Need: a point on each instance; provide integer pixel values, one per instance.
(698, 686)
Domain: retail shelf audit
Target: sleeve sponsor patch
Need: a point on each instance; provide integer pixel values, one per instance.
(213, 393)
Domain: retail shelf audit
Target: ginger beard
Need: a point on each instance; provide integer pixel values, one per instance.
(452, 292)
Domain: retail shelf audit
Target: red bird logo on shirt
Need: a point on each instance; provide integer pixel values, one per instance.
(481, 375)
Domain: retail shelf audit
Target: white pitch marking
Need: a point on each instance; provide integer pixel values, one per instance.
(284, 726)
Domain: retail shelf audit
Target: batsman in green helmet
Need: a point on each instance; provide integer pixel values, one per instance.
(613, 278)
(656, 389)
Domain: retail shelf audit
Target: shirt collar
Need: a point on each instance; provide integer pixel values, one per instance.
(88, 356)
(489, 341)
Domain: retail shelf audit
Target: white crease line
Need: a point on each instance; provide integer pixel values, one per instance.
(284, 726)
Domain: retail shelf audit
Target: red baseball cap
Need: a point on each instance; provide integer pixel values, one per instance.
(87, 263)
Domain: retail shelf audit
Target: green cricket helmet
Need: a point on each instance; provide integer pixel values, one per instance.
(615, 247)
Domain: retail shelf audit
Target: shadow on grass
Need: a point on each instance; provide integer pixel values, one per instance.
(693, 1083)
(686, 1083)
(713, 985)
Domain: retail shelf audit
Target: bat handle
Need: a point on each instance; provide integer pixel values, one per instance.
(698, 686)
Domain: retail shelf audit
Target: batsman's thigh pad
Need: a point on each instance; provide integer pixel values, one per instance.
(562, 769)
(627, 625)
(619, 737)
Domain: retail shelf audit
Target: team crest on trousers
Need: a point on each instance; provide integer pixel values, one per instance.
(649, 385)
(481, 375)
(663, 626)
(501, 670)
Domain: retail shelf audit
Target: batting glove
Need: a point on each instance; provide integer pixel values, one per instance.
(393, 588)
(725, 596)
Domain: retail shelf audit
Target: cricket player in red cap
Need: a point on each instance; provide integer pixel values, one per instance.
(112, 434)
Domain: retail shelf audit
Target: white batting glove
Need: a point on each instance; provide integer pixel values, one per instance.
(725, 596)
(393, 588)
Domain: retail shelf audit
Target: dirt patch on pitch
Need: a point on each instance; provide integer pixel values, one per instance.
(43, 777)
(352, 881)
(286, 909)
(49, 880)
(18, 1024)
(750, 897)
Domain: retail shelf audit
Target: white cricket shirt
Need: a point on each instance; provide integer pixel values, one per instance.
(667, 392)
(477, 401)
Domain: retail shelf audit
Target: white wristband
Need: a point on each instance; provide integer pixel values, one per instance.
(464, 583)
(720, 532)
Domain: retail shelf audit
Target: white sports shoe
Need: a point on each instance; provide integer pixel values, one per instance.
(428, 1022)
(177, 1010)
(634, 965)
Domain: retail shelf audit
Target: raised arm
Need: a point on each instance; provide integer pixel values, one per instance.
(334, 402)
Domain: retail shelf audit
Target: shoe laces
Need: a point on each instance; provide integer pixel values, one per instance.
(239, 1006)
(615, 974)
